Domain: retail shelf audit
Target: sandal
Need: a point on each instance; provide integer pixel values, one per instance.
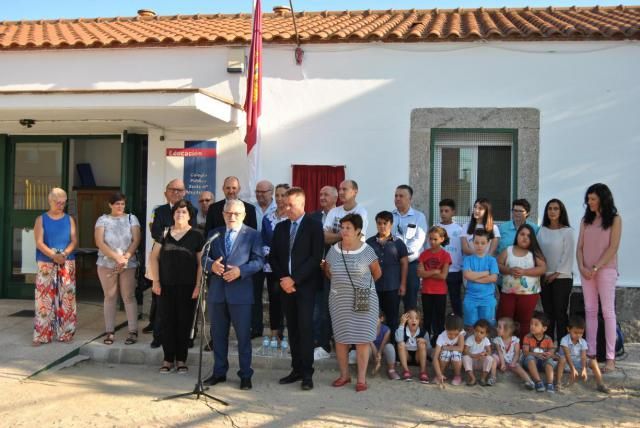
(132, 338)
(182, 369)
(109, 339)
(164, 369)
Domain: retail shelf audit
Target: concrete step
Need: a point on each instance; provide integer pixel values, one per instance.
(142, 353)
(627, 375)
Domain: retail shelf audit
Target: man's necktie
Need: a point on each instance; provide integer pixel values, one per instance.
(227, 243)
(292, 235)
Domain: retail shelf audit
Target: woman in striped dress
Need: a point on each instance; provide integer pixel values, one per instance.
(352, 264)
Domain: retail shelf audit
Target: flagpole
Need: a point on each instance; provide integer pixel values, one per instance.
(253, 155)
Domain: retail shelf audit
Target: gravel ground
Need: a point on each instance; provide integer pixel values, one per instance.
(94, 394)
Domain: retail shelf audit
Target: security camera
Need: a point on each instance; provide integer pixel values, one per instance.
(27, 123)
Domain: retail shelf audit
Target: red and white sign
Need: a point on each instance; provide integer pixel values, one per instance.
(192, 153)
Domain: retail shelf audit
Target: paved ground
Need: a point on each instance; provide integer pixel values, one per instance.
(99, 393)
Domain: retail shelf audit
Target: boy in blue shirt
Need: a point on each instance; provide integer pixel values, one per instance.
(481, 272)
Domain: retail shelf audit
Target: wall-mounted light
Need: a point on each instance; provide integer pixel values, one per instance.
(27, 123)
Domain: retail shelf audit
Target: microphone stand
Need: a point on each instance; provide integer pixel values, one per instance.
(199, 388)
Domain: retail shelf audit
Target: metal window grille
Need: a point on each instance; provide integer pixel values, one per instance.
(472, 164)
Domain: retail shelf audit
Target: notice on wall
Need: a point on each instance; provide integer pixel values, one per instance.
(28, 252)
(199, 167)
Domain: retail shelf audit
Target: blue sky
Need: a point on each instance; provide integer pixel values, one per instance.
(13, 10)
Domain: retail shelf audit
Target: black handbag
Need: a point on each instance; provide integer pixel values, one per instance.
(361, 296)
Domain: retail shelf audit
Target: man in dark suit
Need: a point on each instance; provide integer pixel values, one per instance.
(296, 253)
(231, 189)
(162, 219)
(235, 255)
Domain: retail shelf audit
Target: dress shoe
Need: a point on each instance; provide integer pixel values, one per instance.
(208, 346)
(245, 384)
(214, 380)
(148, 329)
(307, 384)
(155, 344)
(290, 378)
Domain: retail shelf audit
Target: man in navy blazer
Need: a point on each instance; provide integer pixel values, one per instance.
(234, 256)
(296, 252)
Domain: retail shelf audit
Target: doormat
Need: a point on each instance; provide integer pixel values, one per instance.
(25, 313)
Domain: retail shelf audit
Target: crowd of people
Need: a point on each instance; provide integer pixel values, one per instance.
(331, 288)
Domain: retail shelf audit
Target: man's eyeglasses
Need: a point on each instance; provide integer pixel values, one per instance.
(519, 211)
(263, 191)
(233, 214)
(175, 190)
(204, 200)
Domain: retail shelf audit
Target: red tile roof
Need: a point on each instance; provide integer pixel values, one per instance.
(594, 23)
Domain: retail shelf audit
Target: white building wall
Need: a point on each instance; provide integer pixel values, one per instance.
(351, 104)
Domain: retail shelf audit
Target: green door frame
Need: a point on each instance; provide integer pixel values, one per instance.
(4, 150)
(12, 288)
(133, 158)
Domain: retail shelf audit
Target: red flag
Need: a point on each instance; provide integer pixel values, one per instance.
(253, 99)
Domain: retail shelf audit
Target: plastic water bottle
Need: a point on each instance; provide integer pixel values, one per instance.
(284, 346)
(273, 347)
(264, 351)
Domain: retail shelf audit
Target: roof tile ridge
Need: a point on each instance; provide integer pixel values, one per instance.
(535, 18)
(379, 26)
(400, 30)
(453, 26)
(526, 28)
(487, 23)
(572, 17)
(607, 25)
(437, 25)
(100, 36)
(471, 25)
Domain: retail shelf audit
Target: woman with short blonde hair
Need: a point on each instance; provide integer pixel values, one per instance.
(55, 293)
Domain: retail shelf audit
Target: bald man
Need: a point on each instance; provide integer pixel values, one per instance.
(205, 200)
(265, 204)
(231, 190)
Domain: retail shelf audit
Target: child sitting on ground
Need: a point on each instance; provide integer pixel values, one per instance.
(573, 356)
(412, 345)
(507, 354)
(380, 346)
(477, 355)
(539, 352)
(449, 348)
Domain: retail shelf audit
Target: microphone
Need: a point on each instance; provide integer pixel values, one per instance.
(213, 238)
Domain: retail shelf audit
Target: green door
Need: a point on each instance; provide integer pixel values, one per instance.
(35, 165)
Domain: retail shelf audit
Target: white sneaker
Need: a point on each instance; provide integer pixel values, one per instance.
(352, 357)
(320, 354)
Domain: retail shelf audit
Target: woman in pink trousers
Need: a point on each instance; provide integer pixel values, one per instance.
(597, 250)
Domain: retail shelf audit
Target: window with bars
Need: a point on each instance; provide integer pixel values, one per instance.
(471, 164)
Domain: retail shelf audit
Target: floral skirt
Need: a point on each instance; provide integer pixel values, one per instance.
(55, 301)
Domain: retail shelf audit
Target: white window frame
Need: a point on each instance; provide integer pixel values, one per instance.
(437, 160)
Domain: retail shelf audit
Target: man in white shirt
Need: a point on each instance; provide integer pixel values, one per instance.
(205, 200)
(347, 193)
(410, 226)
(265, 204)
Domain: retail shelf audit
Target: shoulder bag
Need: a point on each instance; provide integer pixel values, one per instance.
(361, 296)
